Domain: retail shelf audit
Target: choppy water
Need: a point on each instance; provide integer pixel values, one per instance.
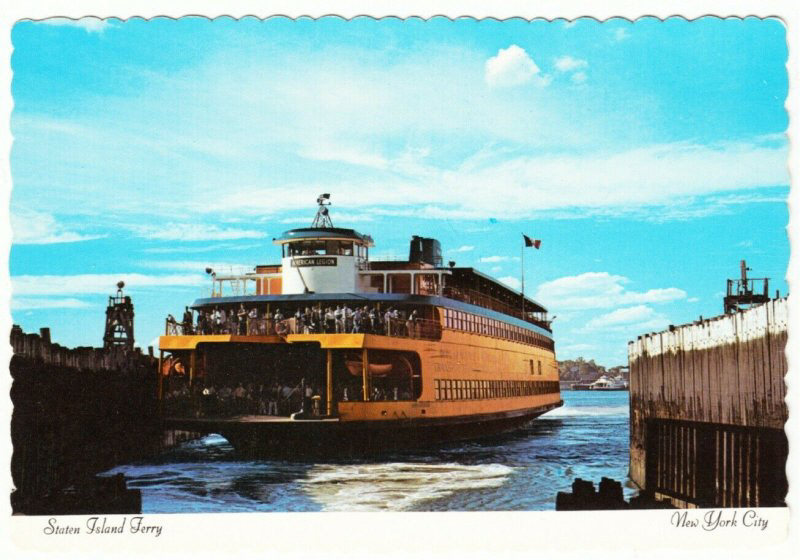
(587, 438)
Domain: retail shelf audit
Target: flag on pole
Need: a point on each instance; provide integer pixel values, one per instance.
(532, 242)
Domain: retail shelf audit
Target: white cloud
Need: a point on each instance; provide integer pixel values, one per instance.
(462, 249)
(511, 281)
(510, 67)
(496, 269)
(567, 63)
(205, 248)
(494, 259)
(593, 290)
(193, 232)
(79, 284)
(416, 135)
(578, 77)
(640, 317)
(620, 34)
(199, 266)
(89, 24)
(693, 300)
(47, 303)
(39, 228)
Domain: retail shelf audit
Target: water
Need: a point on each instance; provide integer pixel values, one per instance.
(587, 438)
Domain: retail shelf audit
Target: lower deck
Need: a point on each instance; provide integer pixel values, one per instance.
(352, 377)
(276, 435)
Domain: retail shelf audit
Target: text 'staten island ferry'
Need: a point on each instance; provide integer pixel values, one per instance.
(332, 351)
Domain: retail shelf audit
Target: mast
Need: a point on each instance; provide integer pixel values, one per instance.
(322, 219)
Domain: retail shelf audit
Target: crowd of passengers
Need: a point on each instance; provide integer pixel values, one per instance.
(272, 399)
(308, 320)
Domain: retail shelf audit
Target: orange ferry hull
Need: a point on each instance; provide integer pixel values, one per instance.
(278, 436)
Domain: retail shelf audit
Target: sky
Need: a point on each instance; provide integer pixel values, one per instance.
(648, 157)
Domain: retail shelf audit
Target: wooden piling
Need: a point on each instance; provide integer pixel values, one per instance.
(707, 410)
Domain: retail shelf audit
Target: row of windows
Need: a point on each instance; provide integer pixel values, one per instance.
(463, 389)
(470, 322)
(319, 247)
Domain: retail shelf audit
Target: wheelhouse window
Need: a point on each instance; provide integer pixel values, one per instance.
(318, 247)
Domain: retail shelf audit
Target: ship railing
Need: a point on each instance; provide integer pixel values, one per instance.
(399, 328)
(481, 299)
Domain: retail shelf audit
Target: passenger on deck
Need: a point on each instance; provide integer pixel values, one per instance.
(239, 395)
(357, 319)
(233, 323)
(277, 318)
(187, 321)
(411, 325)
(299, 323)
(273, 396)
(308, 392)
(347, 313)
(387, 322)
(252, 321)
(330, 321)
(373, 320)
(338, 316)
(222, 320)
(264, 327)
(242, 315)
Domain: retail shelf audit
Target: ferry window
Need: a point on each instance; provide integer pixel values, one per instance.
(448, 392)
(540, 366)
(427, 284)
(400, 283)
(307, 248)
(530, 363)
(375, 283)
(436, 389)
(460, 389)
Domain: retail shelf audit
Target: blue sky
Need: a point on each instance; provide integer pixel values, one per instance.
(649, 157)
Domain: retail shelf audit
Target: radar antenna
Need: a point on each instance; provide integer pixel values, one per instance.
(322, 219)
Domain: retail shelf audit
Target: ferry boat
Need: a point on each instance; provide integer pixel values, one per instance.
(330, 350)
(603, 383)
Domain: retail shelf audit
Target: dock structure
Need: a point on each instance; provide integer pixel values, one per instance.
(707, 409)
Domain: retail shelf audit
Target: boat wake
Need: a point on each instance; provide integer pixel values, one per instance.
(396, 486)
(580, 411)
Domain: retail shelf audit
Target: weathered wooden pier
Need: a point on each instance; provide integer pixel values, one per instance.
(78, 412)
(707, 407)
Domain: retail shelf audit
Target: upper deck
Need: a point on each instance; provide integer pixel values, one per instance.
(323, 263)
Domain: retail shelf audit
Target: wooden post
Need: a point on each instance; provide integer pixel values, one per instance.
(329, 383)
(365, 373)
(192, 363)
(160, 375)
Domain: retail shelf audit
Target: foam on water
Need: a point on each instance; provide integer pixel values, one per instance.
(523, 470)
(569, 411)
(396, 486)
